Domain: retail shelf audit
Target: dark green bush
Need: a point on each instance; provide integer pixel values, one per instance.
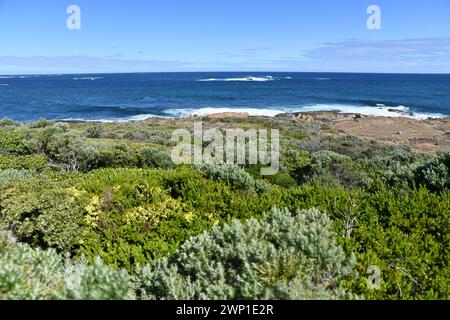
(403, 233)
(116, 156)
(232, 175)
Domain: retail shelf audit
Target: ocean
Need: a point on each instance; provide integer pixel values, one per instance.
(126, 97)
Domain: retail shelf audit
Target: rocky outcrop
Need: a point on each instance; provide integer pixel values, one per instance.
(221, 115)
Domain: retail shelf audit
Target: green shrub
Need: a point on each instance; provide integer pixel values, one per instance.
(12, 142)
(42, 213)
(279, 257)
(38, 138)
(282, 179)
(71, 151)
(116, 156)
(28, 162)
(34, 274)
(7, 122)
(130, 218)
(154, 158)
(403, 232)
(41, 123)
(388, 204)
(94, 131)
(233, 175)
(174, 205)
(330, 169)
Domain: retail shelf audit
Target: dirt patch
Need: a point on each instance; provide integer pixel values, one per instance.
(423, 135)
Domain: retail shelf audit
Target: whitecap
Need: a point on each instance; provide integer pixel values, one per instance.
(88, 78)
(139, 117)
(245, 79)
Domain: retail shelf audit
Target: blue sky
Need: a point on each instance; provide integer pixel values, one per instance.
(224, 35)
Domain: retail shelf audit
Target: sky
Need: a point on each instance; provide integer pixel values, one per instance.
(224, 35)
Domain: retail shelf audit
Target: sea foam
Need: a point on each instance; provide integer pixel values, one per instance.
(88, 78)
(245, 79)
(379, 110)
(139, 117)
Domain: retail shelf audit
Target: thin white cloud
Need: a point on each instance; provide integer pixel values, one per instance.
(83, 64)
(407, 55)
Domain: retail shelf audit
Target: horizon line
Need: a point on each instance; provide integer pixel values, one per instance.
(244, 71)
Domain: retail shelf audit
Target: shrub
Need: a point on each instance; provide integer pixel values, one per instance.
(71, 151)
(232, 175)
(135, 215)
(42, 213)
(28, 162)
(281, 179)
(116, 156)
(41, 123)
(330, 169)
(294, 161)
(154, 158)
(94, 131)
(435, 174)
(129, 218)
(7, 176)
(38, 138)
(32, 274)
(403, 232)
(7, 122)
(12, 142)
(400, 174)
(280, 257)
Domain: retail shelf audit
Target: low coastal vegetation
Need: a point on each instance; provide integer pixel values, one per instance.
(99, 211)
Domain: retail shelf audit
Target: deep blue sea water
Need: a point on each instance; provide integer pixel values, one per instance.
(138, 96)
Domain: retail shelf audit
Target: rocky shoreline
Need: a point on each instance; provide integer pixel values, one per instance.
(429, 135)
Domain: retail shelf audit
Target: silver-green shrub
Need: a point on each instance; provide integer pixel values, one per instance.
(435, 174)
(282, 256)
(35, 274)
(8, 175)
